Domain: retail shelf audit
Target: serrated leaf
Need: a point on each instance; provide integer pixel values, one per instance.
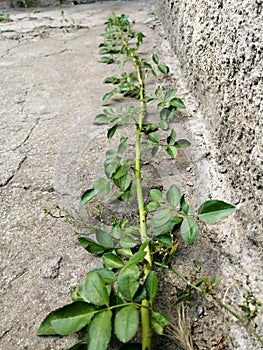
(155, 150)
(126, 323)
(111, 80)
(151, 285)
(189, 230)
(177, 102)
(94, 289)
(91, 246)
(100, 119)
(106, 59)
(159, 321)
(128, 281)
(128, 242)
(173, 196)
(107, 275)
(99, 331)
(112, 131)
(122, 147)
(102, 186)
(162, 217)
(163, 68)
(140, 37)
(155, 138)
(136, 258)
(164, 125)
(103, 238)
(88, 195)
(185, 207)
(169, 93)
(151, 206)
(140, 295)
(171, 151)
(125, 252)
(107, 96)
(155, 59)
(112, 261)
(182, 143)
(214, 211)
(172, 137)
(67, 320)
(156, 195)
(158, 91)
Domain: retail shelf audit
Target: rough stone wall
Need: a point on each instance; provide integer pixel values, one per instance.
(218, 43)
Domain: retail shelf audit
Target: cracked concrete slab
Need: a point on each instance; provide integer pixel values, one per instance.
(50, 90)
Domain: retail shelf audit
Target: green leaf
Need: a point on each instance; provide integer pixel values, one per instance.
(171, 151)
(154, 137)
(156, 195)
(151, 285)
(103, 238)
(99, 331)
(173, 196)
(100, 119)
(67, 320)
(158, 91)
(94, 289)
(140, 37)
(155, 59)
(91, 246)
(128, 281)
(163, 68)
(111, 80)
(163, 125)
(108, 95)
(171, 139)
(128, 242)
(125, 252)
(152, 206)
(126, 323)
(115, 196)
(177, 102)
(112, 131)
(122, 147)
(155, 150)
(214, 211)
(80, 345)
(185, 207)
(88, 195)
(136, 258)
(163, 221)
(189, 230)
(120, 172)
(112, 261)
(182, 143)
(159, 321)
(102, 186)
(106, 59)
(169, 93)
(107, 275)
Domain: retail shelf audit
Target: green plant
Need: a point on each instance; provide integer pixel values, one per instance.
(22, 3)
(115, 299)
(66, 24)
(5, 17)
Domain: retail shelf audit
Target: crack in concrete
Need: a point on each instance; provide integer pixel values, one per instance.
(27, 136)
(7, 181)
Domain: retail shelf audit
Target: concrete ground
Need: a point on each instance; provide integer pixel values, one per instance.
(50, 90)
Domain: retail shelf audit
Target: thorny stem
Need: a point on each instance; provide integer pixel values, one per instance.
(145, 309)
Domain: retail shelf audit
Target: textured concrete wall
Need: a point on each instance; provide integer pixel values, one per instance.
(218, 43)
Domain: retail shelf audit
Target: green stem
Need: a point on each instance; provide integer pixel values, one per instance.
(145, 309)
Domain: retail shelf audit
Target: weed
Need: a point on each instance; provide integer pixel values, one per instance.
(117, 298)
(66, 24)
(5, 18)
